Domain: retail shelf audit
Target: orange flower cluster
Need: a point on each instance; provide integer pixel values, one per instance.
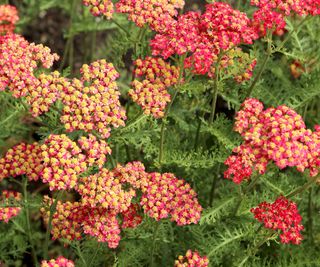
(8, 18)
(100, 7)
(151, 94)
(191, 259)
(9, 210)
(58, 262)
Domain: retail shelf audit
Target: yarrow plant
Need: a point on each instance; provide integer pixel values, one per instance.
(114, 153)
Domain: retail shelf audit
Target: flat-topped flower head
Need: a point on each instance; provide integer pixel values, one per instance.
(158, 14)
(166, 196)
(100, 7)
(281, 215)
(92, 103)
(8, 18)
(151, 93)
(276, 135)
(19, 59)
(22, 159)
(192, 259)
(9, 207)
(58, 262)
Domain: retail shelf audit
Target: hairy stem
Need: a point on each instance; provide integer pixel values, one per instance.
(303, 187)
(156, 228)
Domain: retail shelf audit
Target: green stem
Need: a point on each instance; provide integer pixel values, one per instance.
(214, 185)
(196, 140)
(121, 27)
(79, 252)
(303, 187)
(29, 231)
(215, 89)
(246, 191)
(52, 210)
(310, 217)
(154, 243)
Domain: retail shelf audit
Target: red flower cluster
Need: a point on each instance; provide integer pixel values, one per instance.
(10, 209)
(131, 218)
(272, 13)
(205, 35)
(8, 18)
(100, 7)
(191, 259)
(275, 134)
(58, 262)
(151, 94)
(158, 14)
(281, 215)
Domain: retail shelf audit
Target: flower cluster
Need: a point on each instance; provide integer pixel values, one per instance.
(205, 36)
(271, 14)
(73, 218)
(151, 93)
(167, 196)
(10, 209)
(8, 18)
(22, 159)
(104, 189)
(281, 215)
(63, 162)
(100, 7)
(158, 14)
(58, 262)
(18, 61)
(104, 201)
(275, 134)
(191, 259)
(92, 103)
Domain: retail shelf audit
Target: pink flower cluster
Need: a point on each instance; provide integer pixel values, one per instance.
(8, 18)
(18, 61)
(191, 259)
(58, 161)
(275, 134)
(92, 103)
(271, 14)
(100, 7)
(151, 93)
(108, 195)
(281, 215)
(58, 262)
(158, 14)
(205, 36)
(9, 209)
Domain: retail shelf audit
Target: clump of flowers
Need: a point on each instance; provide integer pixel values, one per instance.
(63, 162)
(104, 189)
(8, 18)
(281, 215)
(158, 14)
(58, 262)
(151, 93)
(18, 61)
(192, 259)
(22, 159)
(92, 103)
(100, 7)
(271, 14)
(73, 218)
(167, 196)
(275, 134)
(205, 36)
(8, 199)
